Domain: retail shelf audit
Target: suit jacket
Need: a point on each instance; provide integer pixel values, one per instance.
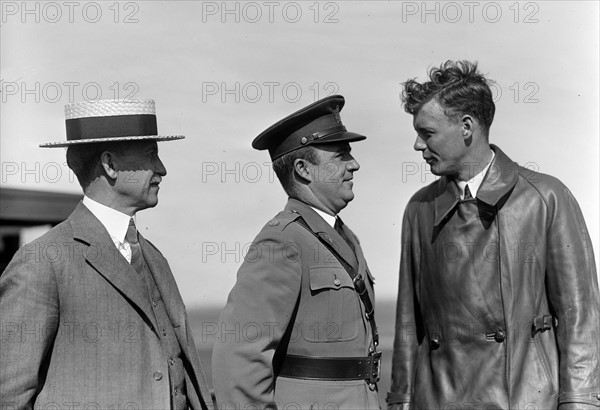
(498, 303)
(290, 282)
(78, 328)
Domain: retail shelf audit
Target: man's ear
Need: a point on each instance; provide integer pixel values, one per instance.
(109, 164)
(303, 169)
(467, 126)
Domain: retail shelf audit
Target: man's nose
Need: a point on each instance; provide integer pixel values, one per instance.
(419, 144)
(160, 168)
(353, 165)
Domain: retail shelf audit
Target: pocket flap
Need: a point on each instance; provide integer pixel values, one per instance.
(326, 277)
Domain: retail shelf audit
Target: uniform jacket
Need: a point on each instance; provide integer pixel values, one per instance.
(498, 304)
(290, 281)
(78, 331)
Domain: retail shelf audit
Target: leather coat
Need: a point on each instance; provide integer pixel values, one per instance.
(498, 303)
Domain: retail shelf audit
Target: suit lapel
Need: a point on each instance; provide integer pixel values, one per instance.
(323, 230)
(105, 258)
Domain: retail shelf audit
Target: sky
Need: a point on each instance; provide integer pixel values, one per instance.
(222, 72)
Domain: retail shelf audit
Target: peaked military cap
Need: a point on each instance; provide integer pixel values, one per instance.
(318, 123)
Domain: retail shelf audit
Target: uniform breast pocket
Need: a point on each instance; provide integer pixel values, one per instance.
(333, 311)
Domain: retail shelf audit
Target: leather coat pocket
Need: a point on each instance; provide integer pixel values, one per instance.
(332, 311)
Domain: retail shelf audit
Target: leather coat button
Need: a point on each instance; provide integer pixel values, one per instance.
(434, 343)
(157, 376)
(500, 336)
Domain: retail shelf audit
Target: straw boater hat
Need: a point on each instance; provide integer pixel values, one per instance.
(110, 121)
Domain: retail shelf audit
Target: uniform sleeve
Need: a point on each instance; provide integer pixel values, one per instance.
(408, 321)
(29, 319)
(572, 287)
(254, 320)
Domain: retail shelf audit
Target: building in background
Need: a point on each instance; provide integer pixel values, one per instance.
(26, 215)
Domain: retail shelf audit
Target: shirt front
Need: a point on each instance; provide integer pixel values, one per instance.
(115, 222)
(475, 182)
(328, 218)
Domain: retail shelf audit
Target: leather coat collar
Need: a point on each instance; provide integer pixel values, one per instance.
(499, 180)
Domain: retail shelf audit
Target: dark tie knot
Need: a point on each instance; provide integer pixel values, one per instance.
(468, 192)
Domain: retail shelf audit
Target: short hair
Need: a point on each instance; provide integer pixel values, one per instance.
(458, 87)
(84, 159)
(284, 167)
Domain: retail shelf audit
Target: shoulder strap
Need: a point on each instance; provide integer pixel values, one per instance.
(357, 279)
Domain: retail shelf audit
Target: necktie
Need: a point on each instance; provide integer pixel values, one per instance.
(468, 193)
(136, 251)
(339, 229)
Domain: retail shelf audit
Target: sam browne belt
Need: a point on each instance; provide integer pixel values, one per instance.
(332, 368)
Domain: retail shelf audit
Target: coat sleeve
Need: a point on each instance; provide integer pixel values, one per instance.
(29, 319)
(254, 320)
(408, 333)
(572, 287)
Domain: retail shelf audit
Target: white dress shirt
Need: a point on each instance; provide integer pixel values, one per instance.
(475, 182)
(115, 222)
(328, 218)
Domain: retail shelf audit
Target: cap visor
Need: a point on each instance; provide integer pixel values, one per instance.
(339, 137)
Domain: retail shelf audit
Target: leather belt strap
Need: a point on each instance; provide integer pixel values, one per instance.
(332, 368)
(357, 279)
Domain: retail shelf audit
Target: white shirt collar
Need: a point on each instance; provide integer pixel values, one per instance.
(115, 222)
(328, 218)
(475, 182)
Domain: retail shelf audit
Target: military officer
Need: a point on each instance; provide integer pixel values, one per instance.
(298, 329)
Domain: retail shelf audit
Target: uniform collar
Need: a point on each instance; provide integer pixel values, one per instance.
(499, 180)
(309, 214)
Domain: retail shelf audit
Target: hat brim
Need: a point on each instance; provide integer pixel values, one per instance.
(63, 144)
(344, 136)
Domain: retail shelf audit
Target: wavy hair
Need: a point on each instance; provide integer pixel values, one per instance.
(458, 87)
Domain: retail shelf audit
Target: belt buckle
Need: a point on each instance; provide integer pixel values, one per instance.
(375, 373)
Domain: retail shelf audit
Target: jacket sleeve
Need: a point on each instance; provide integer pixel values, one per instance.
(254, 320)
(408, 320)
(29, 319)
(572, 287)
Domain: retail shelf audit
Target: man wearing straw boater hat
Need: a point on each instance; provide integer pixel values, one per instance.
(298, 330)
(91, 314)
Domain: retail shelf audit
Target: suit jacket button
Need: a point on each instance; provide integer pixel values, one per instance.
(500, 336)
(157, 376)
(434, 343)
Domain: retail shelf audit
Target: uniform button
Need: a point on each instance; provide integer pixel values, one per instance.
(157, 376)
(164, 333)
(598, 397)
(434, 343)
(500, 336)
(337, 282)
(172, 362)
(154, 303)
